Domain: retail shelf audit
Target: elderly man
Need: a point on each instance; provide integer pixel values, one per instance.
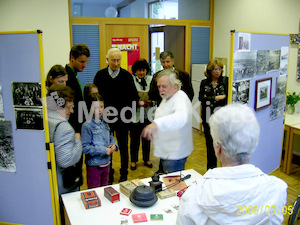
(167, 61)
(237, 192)
(117, 87)
(171, 130)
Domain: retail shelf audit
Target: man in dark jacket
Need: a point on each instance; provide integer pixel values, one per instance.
(117, 87)
(79, 56)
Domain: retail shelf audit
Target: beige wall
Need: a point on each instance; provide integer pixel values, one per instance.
(50, 16)
(276, 16)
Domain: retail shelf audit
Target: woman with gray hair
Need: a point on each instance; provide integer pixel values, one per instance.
(237, 192)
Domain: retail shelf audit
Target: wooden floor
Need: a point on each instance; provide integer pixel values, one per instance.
(197, 161)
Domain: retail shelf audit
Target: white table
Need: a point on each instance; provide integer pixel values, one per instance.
(109, 213)
(292, 127)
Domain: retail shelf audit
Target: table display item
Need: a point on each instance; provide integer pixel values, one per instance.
(125, 212)
(143, 196)
(111, 194)
(90, 199)
(156, 184)
(156, 217)
(166, 193)
(139, 217)
(181, 192)
(127, 187)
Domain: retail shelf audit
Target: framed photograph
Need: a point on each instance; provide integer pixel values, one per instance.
(26, 94)
(29, 118)
(263, 93)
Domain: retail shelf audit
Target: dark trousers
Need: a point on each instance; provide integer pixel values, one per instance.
(211, 156)
(135, 139)
(122, 139)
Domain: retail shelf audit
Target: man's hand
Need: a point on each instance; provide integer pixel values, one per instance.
(149, 131)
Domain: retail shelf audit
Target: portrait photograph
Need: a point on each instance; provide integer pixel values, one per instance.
(263, 93)
(26, 94)
(29, 119)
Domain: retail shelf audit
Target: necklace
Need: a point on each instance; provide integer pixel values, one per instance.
(214, 84)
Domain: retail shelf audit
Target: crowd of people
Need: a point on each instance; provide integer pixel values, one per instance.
(155, 108)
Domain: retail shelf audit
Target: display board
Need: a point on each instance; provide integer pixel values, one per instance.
(258, 75)
(25, 185)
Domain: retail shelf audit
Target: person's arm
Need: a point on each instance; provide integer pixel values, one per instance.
(177, 119)
(113, 141)
(205, 96)
(187, 85)
(88, 145)
(189, 213)
(68, 149)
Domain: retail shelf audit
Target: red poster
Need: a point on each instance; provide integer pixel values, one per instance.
(130, 47)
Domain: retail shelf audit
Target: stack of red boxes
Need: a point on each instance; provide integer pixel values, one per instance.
(111, 194)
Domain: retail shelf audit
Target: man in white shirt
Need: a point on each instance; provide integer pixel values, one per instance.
(171, 130)
(237, 192)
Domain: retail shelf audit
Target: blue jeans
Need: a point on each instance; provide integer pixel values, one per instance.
(170, 166)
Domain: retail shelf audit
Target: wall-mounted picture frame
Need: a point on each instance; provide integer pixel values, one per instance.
(263, 93)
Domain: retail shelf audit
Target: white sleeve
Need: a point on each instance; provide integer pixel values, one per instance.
(177, 119)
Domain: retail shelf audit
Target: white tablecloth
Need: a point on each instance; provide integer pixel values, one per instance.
(109, 213)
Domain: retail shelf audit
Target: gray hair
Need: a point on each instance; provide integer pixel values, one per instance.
(173, 76)
(236, 129)
(165, 54)
(112, 50)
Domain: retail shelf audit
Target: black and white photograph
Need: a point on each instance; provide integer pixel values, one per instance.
(284, 60)
(244, 65)
(281, 85)
(262, 62)
(7, 156)
(274, 60)
(1, 104)
(26, 94)
(240, 91)
(277, 107)
(263, 93)
(29, 119)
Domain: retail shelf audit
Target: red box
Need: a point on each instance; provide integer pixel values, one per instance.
(111, 194)
(139, 217)
(90, 199)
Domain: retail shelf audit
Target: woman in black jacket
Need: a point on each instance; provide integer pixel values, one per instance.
(213, 94)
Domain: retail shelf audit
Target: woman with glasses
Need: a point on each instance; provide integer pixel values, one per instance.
(212, 95)
(67, 146)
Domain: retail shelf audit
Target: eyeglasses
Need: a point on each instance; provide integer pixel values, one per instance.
(217, 69)
(70, 107)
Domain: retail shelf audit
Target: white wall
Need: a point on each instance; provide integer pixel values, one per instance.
(276, 16)
(51, 17)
